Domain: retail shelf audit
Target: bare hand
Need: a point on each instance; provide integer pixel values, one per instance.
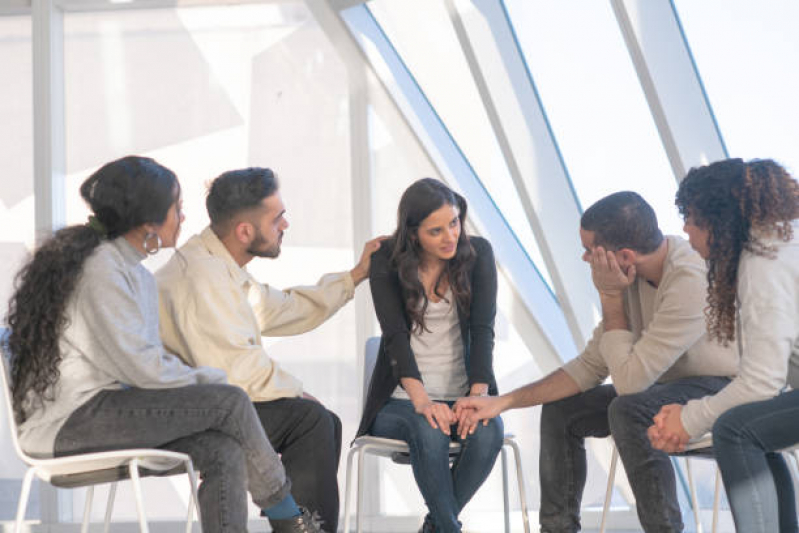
(608, 276)
(667, 433)
(472, 409)
(361, 270)
(439, 415)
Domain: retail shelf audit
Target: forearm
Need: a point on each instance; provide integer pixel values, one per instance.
(555, 386)
(478, 389)
(613, 317)
(416, 392)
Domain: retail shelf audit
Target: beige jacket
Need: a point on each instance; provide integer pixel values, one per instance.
(667, 337)
(213, 313)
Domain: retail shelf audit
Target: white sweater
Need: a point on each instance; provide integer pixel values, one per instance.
(768, 295)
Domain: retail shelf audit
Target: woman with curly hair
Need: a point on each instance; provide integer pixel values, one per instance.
(89, 372)
(743, 218)
(434, 290)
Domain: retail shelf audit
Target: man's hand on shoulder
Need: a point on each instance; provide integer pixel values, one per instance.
(361, 270)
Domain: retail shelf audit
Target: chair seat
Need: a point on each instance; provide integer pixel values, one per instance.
(66, 471)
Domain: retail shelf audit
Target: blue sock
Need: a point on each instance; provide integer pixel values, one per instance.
(287, 508)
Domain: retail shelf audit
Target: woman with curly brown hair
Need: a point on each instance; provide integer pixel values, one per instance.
(743, 218)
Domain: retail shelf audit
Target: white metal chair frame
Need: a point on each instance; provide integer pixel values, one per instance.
(90, 469)
(395, 449)
(701, 448)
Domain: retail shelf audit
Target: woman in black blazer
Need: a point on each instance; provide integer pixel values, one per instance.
(434, 290)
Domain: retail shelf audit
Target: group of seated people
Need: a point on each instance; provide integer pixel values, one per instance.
(695, 337)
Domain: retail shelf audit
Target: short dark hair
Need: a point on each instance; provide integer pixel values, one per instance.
(623, 220)
(238, 190)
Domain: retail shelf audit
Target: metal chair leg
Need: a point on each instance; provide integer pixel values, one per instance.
(347, 490)
(109, 508)
(614, 459)
(505, 502)
(517, 456)
(23, 498)
(694, 501)
(87, 509)
(359, 492)
(136, 481)
(194, 502)
(716, 500)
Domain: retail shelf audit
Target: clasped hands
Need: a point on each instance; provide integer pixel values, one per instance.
(667, 433)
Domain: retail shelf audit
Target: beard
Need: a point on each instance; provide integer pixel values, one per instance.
(260, 247)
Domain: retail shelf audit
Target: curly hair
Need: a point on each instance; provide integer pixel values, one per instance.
(738, 203)
(123, 195)
(417, 203)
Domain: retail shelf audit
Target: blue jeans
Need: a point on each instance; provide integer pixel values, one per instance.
(445, 490)
(216, 425)
(600, 412)
(757, 480)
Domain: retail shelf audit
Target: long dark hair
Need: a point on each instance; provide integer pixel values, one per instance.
(123, 195)
(417, 203)
(737, 203)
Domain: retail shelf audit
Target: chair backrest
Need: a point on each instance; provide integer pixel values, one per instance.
(8, 409)
(369, 362)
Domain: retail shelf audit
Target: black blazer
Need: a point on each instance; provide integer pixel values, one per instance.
(395, 359)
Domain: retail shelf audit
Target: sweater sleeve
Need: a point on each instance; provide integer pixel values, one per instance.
(300, 309)
(677, 324)
(390, 310)
(482, 314)
(588, 369)
(768, 297)
(124, 346)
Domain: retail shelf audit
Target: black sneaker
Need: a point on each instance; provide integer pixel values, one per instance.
(305, 522)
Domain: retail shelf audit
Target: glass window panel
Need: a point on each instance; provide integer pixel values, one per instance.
(16, 211)
(594, 102)
(423, 35)
(746, 55)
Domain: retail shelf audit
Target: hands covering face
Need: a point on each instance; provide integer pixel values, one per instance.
(608, 276)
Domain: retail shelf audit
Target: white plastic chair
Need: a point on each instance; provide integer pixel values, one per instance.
(398, 451)
(703, 448)
(90, 469)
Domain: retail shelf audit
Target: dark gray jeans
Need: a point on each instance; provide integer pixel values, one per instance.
(600, 412)
(308, 438)
(215, 425)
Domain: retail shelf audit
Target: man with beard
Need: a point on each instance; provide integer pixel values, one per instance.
(214, 313)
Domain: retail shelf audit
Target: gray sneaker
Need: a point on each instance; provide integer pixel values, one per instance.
(304, 523)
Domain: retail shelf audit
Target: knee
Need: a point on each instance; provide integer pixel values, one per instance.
(489, 437)
(336, 421)
(324, 424)
(625, 414)
(726, 429)
(222, 455)
(554, 416)
(426, 438)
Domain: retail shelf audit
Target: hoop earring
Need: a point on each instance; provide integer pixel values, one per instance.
(146, 244)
